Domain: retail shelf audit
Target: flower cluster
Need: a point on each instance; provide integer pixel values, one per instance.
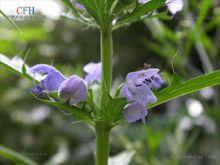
(137, 90)
(73, 88)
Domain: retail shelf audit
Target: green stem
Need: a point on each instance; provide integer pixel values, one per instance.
(102, 144)
(103, 129)
(15, 157)
(106, 59)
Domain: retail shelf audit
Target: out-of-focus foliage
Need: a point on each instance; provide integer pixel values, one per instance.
(184, 131)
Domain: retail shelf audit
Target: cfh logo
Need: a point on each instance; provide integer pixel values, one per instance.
(25, 10)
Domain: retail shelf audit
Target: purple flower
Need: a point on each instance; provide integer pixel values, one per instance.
(135, 111)
(174, 6)
(139, 97)
(36, 90)
(137, 90)
(73, 89)
(52, 80)
(94, 72)
(78, 5)
(149, 77)
(157, 81)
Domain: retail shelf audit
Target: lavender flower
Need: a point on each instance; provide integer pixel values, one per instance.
(174, 6)
(135, 111)
(137, 90)
(139, 97)
(78, 5)
(51, 82)
(73, 89)
(149, 77)
(94, 72)
(157, 81)
(36, 90)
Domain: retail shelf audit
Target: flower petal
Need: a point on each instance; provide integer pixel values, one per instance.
(135, 111)
(125, 92)
(36, 90)
(41, 69)
(78, 5)
(157, 81)
(73, 89)
(174, 6)
(53, 77)
(142, 73)
(141, 92)
(92, 67)
(94, 72)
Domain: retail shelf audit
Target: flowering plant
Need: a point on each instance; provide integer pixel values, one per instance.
(130, 101)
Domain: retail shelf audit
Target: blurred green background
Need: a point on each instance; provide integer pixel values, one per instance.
(183, 131)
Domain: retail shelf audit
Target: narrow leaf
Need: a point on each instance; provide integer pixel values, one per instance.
(77, 15)
(114, 108)
(10, 20)
(141, 11)
(180, 89)
(5, 61)
(15, 157)
(79, 113)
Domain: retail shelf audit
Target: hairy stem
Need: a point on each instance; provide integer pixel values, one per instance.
(102, 144)
(102, 129)
(106, 59)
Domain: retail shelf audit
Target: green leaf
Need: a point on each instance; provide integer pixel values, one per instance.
(90, 101)
(10, 20)
(77, 15)
(114, 108)
(15, 157)
(76, 112)
(204, 8)
(178, 89)
(118, 90)
(5, 61)
(141, 11)
(110, 5)
(162, 16)
(123, 6)
(90, 7)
